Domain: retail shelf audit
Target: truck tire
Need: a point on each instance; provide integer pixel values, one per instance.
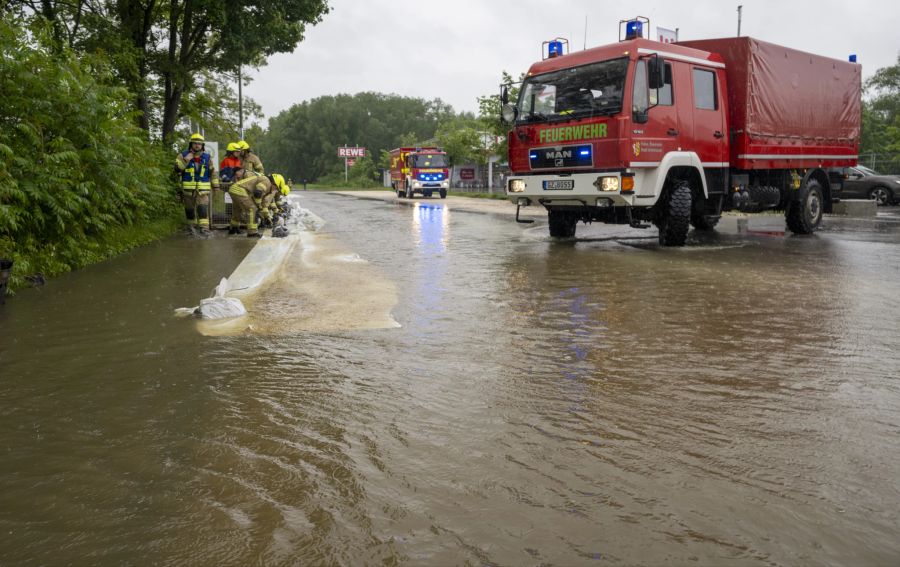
(562, 224)
(673, 227)
(443, 193)
(804, 215)
(881, 195)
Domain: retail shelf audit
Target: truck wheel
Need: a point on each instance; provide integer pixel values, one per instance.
(804, 215)
(400, 193)
(673, 227)
(562, 224)
(881, 195)
(443, 193)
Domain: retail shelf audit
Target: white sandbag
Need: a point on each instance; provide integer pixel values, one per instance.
(221, 308)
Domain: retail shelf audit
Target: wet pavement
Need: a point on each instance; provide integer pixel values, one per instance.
(599, 400)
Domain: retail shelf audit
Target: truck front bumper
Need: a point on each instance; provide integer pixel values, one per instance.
(575, 190)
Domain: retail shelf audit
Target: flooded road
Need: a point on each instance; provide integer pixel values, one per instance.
(594, 401)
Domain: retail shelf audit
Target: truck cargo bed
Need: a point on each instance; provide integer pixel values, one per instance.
(788, 108)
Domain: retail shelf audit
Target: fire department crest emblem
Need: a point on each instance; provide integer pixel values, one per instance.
(637, 148)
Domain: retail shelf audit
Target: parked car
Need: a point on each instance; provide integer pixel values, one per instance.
(863, 183)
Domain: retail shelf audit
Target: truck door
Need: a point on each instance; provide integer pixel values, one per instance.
(659, 134)
(709, 118)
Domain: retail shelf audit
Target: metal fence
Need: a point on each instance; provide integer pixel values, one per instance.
(220, 208)
(886, 163)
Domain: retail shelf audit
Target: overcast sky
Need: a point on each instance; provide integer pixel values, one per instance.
(456, 50)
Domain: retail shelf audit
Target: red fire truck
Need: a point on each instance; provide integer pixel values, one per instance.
(672, 134)
(419, 170)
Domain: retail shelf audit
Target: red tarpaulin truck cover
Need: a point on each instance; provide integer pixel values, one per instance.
(782, 101)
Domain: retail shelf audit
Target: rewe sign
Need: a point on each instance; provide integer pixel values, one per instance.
(351, 152)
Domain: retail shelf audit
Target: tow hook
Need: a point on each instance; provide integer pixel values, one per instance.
(519, 204)
(634, 223)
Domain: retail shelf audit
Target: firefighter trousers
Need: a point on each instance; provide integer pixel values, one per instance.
(196, 207)
(242, 207)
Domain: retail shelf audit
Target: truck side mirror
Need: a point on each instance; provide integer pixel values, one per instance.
(656, 68)
(504, 95)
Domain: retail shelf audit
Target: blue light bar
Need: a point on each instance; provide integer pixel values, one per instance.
(585, 152)
(554, 49)
(634, 29)
(853, 58)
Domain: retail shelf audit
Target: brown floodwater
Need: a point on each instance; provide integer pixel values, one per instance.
(432, 386)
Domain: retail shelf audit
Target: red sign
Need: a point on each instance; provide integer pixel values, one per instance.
(351, 152)
(351, 162)
(467, 174)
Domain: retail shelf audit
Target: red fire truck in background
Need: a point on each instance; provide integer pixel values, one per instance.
(675, 133)
(419, 170)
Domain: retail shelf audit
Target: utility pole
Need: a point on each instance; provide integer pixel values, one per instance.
(240, 103)
(740, 9)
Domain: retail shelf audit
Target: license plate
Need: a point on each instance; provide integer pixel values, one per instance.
(559, 184)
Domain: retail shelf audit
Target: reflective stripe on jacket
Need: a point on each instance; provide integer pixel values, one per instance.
(247, 185)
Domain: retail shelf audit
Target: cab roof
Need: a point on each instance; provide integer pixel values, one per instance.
(628, 48)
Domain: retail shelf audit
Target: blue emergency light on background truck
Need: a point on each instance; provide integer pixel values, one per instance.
(674, 134)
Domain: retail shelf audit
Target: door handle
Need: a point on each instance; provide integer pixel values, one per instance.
(672, 132)
(719, 134)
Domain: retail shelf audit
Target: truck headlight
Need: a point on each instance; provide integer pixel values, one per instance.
(516, 185)
(609, 183)
(416, 185)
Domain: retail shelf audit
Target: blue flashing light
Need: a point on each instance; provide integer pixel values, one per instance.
(585, 152)
(554, 49)
(853, 58)
(532, 156)
(634, 29)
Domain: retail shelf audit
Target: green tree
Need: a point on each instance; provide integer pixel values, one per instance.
(489, 113)
(74, 167)
(302, 141)
(163, 51)
(881, 116)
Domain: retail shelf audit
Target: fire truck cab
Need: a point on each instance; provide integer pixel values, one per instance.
(419, 170)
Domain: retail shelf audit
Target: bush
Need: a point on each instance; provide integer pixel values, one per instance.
(74, 166)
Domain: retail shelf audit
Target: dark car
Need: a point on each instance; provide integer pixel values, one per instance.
(863, 183)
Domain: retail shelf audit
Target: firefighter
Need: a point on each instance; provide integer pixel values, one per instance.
(247, 189)
(231, 161)
(249, 160)
(266, 202)
(198, 177)
(279, 196)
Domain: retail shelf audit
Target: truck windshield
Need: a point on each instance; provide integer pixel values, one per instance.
(429, 160)
(588, 90)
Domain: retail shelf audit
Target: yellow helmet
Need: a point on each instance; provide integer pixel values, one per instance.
(232, 147)
(197, 138)
(242, 145)
(278, 179)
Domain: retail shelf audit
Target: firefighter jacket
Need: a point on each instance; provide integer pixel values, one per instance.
(199, 174)
(226, 168)
(253, 186)
(251, 162)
